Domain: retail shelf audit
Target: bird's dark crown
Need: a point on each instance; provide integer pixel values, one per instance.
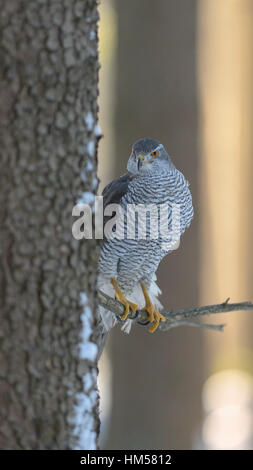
(145, 145)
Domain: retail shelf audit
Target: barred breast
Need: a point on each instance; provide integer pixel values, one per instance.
(135, 260)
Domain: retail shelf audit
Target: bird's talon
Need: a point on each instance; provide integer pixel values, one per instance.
(119, 318)
(135, 314)
(154, 316)
(150, 311)
(158, 317)
(146, 323)
(121, 298)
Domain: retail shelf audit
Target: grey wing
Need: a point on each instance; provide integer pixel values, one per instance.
(115, 190)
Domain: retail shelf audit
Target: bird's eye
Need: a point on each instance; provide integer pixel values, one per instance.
(133, 153)
(155, 153)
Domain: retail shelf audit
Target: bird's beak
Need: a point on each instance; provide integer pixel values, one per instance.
(140, 159)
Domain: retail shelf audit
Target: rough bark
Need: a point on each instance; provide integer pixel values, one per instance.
(48, 111)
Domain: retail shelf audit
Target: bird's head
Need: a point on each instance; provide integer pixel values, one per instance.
(147, 156)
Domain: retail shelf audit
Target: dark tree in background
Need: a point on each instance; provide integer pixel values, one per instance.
(48, 112)
(157, 378)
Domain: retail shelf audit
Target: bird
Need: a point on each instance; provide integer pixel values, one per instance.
(127, 266)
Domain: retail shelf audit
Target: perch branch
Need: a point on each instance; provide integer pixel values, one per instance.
(176, 317)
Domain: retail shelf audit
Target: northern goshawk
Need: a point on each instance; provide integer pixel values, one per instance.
(128, 265)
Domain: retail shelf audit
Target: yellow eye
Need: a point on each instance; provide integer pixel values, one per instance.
(155, 153)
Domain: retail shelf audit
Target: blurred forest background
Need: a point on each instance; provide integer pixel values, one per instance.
(181, 71)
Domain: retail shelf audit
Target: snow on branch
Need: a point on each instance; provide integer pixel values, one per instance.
(188, 317)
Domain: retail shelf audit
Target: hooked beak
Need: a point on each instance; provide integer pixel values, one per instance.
(140, 159)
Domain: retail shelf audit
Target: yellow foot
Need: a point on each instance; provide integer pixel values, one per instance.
(153, 315)
(121, 298)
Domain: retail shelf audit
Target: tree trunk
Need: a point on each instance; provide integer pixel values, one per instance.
(48, 112)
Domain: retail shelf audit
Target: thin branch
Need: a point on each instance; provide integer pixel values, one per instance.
(176, 318)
